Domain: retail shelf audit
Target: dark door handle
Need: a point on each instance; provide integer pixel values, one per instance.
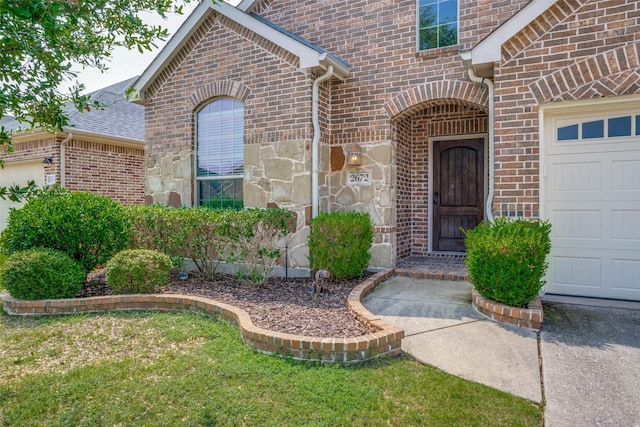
(436, 198)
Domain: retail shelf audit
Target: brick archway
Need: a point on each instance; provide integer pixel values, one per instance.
(611, 73)
(228, 88)
(456, 91)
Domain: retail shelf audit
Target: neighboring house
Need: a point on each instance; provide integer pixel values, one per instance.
(463, 110)
(100, 151)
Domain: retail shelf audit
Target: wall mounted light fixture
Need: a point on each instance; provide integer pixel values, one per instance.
(48, 160)
(354, 155)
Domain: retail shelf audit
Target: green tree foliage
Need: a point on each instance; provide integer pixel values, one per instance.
(41, 41)
(88, 227)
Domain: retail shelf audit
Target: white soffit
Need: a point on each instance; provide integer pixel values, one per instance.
(489, 50)
(308, 57)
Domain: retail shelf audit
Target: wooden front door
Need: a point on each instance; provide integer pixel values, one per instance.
(458, 191)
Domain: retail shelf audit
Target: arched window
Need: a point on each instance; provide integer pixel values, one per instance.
(220, 154)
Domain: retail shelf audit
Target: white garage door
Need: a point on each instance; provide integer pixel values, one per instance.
(18, 173)
(591, 187)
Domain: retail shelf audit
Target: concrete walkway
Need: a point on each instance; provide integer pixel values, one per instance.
(590, 355)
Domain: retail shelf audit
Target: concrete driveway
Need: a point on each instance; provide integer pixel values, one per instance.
(584, 365)
(591, 362)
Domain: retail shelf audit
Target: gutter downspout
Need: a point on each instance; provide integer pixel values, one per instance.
(315, 161)
(63, 164)
(481, 81)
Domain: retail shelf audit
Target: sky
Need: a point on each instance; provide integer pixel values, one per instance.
(125, 64)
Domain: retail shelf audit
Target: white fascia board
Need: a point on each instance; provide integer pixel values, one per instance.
(246, 5)
(490, 49)
(309, 57)
(167, 53)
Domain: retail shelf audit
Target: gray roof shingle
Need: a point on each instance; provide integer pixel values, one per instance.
(120, 118)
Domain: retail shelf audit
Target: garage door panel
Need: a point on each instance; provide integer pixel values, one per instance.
(625, 226)
(591, 191)
(574, 272)
(626, 274)
(576, 224)
(18, 174)
(625, 175)
(603, 277)
(577, 177)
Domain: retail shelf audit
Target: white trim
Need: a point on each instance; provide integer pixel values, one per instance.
(21, 138)
(430, 140)
(490, 49)
(549, 113)
(246, 5)
(308, 57)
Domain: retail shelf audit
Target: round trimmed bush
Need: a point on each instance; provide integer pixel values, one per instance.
(41, 273)
(138, 271)
(88, 227)
(507, 259)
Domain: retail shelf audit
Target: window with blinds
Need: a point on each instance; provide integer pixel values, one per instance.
(220, 154)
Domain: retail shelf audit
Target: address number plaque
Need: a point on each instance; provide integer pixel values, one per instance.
(359, 178)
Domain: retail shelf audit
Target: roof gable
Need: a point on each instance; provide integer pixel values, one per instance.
(489, 50)
(310, 55)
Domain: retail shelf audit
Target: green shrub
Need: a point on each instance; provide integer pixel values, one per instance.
(341, 243)
(507, 259)
(88, 227)
(254, 236)
(138, 271)
(208, 236)
(41, 273)
(180, 233)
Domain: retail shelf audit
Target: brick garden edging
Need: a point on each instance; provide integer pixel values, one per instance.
(384, 340)
(530, 317)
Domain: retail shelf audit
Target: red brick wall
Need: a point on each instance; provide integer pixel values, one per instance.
(102, 168)
(108, 169)
(378, 40)
(576, 50)
(404, 211)
(277, 105)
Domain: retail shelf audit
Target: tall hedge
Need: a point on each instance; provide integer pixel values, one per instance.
(88, 227)
(341, 243)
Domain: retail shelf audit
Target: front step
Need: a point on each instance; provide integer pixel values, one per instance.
(434, 266)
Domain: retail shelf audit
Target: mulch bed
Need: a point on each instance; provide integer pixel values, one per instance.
(282, 305)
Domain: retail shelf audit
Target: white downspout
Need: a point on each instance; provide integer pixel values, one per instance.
(481, 80)
(315, 161)
(63, 164)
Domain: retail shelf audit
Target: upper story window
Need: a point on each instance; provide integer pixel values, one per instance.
(437, 23)
(220, 154)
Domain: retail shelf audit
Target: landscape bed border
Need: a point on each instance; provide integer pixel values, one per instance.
(383, 340)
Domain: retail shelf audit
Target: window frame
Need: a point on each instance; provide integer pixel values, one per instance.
(197, 178)
(418, 47)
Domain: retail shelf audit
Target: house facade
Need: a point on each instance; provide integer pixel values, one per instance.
(459, 111)
(101, 151)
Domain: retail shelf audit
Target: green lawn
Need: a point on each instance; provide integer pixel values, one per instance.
(183, 369)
